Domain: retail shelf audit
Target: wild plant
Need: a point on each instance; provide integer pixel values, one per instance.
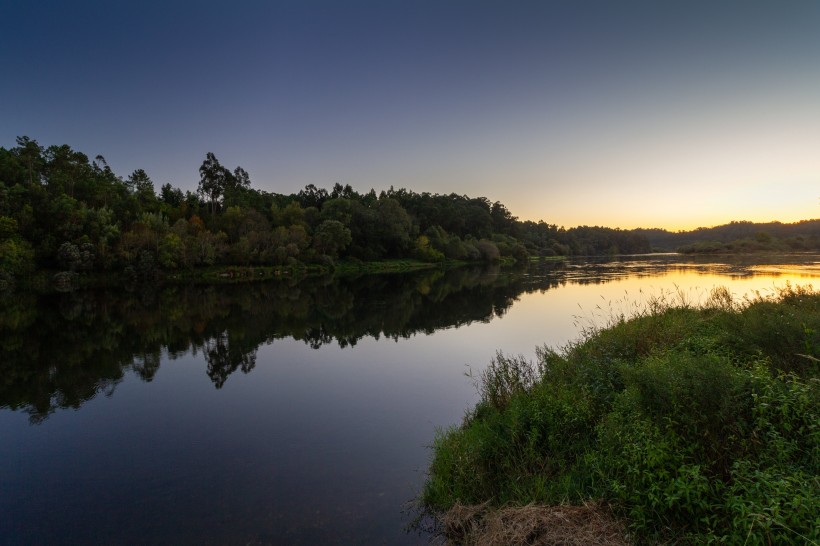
(504, 377)
(697, 422)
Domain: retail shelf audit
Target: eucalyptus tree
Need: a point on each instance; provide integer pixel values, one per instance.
(240, 179)
(213, 179)
(312, 196)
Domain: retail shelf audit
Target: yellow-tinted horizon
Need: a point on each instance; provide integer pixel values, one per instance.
(680, 115)
(672, 227)
(674, 218)
(675, 209)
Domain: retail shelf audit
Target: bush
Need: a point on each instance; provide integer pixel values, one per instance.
(699, 425)
(16, 258)
(785, 329)
(503, 378)
(488, 251)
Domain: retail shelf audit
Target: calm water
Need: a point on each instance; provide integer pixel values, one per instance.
(280, 413)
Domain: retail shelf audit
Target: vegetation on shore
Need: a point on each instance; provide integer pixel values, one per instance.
(60, 211)
(695, 424)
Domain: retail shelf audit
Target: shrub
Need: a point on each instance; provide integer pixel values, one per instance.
(699, 425)
(488, 251)
(503, 378)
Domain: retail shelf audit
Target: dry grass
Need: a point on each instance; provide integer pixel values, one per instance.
(533, 525)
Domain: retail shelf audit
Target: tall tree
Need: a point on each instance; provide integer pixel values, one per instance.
(241, 178)
(31, 154)
(65, 169)
(140, 184)
(312, 196)
(170, 195)
(213, 179)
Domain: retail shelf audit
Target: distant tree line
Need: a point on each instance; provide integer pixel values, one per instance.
(61, 211)
(738, 237)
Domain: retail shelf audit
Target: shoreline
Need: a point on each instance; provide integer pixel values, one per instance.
(685, 420)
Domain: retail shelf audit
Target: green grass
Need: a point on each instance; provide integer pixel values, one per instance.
(698, 424)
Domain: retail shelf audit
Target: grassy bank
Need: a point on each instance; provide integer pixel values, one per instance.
(692, 424)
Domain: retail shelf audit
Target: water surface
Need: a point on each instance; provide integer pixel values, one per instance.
(281, 413)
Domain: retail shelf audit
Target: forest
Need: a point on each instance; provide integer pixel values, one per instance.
(66, 214)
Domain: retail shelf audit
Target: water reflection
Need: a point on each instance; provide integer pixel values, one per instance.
(61, 350)
(598, 270)
(237, 431)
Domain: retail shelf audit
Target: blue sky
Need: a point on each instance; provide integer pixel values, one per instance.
(627, 114)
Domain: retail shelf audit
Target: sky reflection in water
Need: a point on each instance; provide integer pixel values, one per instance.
(309, 445)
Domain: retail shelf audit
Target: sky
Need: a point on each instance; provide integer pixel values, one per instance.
(622, 114)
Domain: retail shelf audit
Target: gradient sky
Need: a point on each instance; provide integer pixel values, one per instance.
(624, 114)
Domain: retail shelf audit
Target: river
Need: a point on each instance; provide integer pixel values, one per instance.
(284, 412)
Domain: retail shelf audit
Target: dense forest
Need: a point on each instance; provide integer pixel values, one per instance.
(62, 212)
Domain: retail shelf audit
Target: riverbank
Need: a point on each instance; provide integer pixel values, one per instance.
(693, 424)
(47, 281)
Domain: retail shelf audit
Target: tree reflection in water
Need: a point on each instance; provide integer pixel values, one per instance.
(61, 350)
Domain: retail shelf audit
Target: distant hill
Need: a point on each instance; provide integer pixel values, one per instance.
(738, 236)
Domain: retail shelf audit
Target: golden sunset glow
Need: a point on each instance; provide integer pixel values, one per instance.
(622, 115)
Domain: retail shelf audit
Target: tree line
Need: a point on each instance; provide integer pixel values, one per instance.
(62, 211)
(738, 237)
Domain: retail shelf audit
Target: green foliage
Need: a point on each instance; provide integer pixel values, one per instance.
(56, 195)
(8, 227)
(504, 378)
(16, 257)
(694, 423)
(331, 237)
(426, 252)
(213, 180)
(171, 251)
(786, 334)
(488, 250)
